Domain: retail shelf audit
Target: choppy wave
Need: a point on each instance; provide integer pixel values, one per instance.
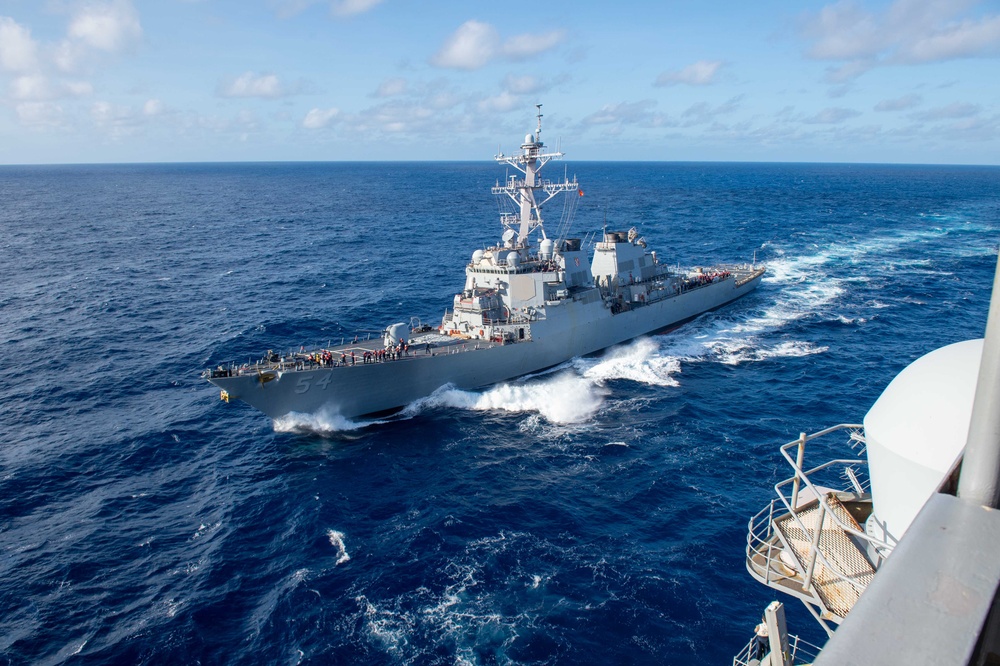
(337, 541)
(324, 422)
(561, 398)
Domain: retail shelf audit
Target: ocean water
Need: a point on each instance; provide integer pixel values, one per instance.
(593, 514)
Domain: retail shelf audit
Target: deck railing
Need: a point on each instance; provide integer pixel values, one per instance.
(801, 651)
(801, 479)
(763, 545)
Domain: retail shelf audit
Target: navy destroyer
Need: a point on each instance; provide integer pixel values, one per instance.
(530, 302)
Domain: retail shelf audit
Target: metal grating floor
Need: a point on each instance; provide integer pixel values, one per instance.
(847, 562)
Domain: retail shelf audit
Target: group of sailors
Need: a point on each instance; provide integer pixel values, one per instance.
(390, 353)
(705, 278)
(324, 358)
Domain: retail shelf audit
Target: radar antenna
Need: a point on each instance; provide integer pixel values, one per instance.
(530, 193)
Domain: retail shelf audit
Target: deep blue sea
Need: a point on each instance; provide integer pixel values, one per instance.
(595, 514)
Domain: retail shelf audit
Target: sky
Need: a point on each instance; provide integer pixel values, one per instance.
(98, 81)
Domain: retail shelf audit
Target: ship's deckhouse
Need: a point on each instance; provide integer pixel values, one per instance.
(621, 258)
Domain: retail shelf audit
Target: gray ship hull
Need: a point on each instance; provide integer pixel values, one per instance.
(567, 331)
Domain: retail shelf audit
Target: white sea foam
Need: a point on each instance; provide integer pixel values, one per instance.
(323, 422)
(790, 349)
(639, 361)
(388, 628)
(561, 398)
(337, 541)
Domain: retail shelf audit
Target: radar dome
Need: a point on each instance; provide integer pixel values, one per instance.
(513, 259)
(545, 248)
(529, 138)
(477, 256)
(916, 431)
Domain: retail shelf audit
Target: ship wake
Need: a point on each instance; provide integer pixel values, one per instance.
(323, 423)
(563, 397)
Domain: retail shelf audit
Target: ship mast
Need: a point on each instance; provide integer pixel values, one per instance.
(531, 192)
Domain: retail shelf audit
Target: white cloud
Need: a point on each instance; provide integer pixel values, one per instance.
(520, 47)
(352, 7)
(967, 39)
(702, 112)
(522, 85)
(250, 84)
(67, 55)
(391, 88)
(832, 116)
(36, 87)
(629, 113)
(475, 44)
(505, 101)
(701, 73)
(339, 8)
(78, 88)
(908, 32)
(398, 117)
(18, 51)
(848, 71)
(152, 107)
(40, 115)
(31, 87)
(320, 118)
(899, 103)
(110, 27)
(470, 47)
(843, 31)
(105, 112)
(949, 112)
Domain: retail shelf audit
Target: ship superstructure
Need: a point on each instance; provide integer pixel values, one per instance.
(896, 542)
(531, 301)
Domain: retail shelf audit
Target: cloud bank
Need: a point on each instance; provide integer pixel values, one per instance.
(476, 44)
(908, 32)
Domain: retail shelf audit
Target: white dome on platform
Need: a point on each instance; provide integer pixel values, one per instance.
(916, 431)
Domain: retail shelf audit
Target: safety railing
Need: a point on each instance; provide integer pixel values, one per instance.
(801, 481)
(800, 650)
(763, 553)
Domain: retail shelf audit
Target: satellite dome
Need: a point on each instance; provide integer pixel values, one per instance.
(477, 256)
(545, 248)
(528, 138)
(513, 259)
(917, 429)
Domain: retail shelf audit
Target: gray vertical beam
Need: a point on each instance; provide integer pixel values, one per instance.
(777, 634)
(979, 482)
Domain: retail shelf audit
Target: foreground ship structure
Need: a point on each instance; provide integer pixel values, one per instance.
(896, 541)
(530, 302)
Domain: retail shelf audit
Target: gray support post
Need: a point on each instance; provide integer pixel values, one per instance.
(798, 468)
(979, 481)
(777, 634)
(814, 547)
